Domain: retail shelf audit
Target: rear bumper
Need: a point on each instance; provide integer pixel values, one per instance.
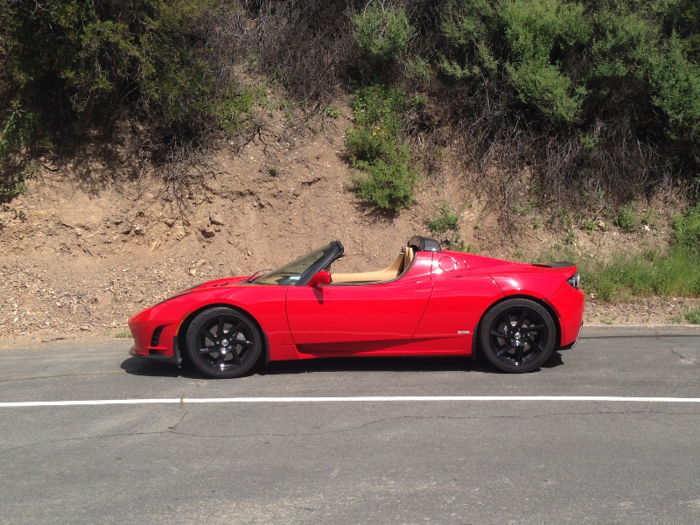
(570, 346)
(568, 304)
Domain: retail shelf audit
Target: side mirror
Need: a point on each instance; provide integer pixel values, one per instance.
(320, 278)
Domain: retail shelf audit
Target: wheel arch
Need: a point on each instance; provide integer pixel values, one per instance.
(185, 324)
(541, 302)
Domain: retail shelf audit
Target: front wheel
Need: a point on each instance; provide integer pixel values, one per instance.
(223, 343)
(517, 335)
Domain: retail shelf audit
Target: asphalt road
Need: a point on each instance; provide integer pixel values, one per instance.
(446, 462)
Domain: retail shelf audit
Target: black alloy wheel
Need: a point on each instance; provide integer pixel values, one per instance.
(517, 335)
(223, 343)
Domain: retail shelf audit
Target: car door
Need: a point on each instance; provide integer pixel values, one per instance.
(346, 319)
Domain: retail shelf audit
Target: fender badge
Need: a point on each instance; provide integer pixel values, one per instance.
(462, 332)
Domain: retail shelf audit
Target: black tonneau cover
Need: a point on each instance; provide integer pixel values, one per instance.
(554, 264)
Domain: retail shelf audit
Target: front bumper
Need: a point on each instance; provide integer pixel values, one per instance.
(155, 356)
(155, 333)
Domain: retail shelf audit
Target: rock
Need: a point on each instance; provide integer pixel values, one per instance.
(180, 233)
(85, 328)
(207, 232)
(215, 219)
(193, 271)
(201, 262)
(125, 228)
(601, 225)
(170, 222)
(138, 230)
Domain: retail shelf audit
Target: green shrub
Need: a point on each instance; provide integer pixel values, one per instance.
(233, 108)
(17, 138)
(534, 28)
(693, 315)
(80, 65)
(369, 143)
(332, 112)
(389, 183)
(626, 219)
(379, 105)
(383, 31)
(686, 230)
(375, 148)
(446, 222)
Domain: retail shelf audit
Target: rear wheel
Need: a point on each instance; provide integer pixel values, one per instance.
(517, 335)
(223, 343)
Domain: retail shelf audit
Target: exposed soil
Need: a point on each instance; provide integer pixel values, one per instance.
(83, 250)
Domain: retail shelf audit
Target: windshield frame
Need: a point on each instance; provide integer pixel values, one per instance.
(327, 254)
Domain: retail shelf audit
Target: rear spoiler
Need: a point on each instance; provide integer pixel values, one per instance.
(554, 264)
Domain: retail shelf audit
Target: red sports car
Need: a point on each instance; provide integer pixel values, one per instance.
(429, 302)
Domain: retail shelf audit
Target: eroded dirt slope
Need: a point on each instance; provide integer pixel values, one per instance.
(79, 257)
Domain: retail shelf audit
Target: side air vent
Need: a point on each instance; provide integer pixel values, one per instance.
(155, 339)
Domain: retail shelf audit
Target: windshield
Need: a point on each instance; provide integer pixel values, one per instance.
(291, 273)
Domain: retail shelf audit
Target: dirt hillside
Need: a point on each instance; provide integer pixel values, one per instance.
(81, 253)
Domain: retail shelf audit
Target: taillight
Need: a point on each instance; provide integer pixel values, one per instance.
(575, 281)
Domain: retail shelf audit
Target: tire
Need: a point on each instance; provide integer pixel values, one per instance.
(517, 335)
(223, 343)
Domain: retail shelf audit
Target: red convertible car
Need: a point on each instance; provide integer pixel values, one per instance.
(429, 302)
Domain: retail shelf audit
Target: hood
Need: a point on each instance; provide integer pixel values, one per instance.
(224, 281)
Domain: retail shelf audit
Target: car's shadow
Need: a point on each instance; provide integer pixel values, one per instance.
(143, 367)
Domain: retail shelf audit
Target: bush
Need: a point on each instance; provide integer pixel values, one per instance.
(81, 66)
(374, 147)
(446, 222)
(389, 183)
(686, 230)
(693, 315)
(626, 219)
(382, 31)
(16, 142)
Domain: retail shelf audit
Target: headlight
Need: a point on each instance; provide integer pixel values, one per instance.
(575, 281)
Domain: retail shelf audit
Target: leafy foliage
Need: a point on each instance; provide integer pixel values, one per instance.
(601, 99)
(375, 148)
(693, 315)
(686, 230)
(383, 31)
(445, 223)
(626, 219)
(16, 136)
(80, 65)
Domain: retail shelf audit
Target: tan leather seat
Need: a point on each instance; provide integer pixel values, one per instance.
(400, 265)
(407, 258)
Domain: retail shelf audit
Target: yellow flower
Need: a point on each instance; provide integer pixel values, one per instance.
(378, 128)
(374, 133)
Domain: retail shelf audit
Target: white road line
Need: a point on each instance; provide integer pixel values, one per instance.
(363, 399)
